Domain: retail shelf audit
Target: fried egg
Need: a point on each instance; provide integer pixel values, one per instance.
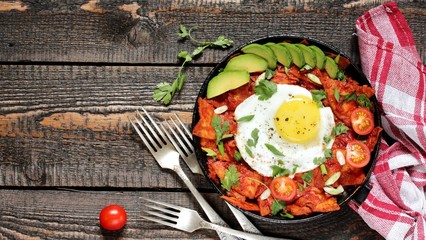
(287, 130)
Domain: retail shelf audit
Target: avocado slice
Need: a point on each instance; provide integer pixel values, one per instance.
(262, 51)
(225, 81)
(331, 67)
(282, 54)
(296, 54)
(320, 56)
(249, 62)
(308, 54)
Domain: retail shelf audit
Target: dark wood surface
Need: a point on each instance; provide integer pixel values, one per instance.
(72, 71)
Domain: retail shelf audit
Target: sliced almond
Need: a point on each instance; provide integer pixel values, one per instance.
(340, 157)
(221, 109)
(265, 194)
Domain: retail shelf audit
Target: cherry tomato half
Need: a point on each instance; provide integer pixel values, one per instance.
(357, 154)
(362, 121)
(283, 188)
(113, 217)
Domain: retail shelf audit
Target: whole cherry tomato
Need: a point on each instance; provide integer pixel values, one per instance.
(113, 217)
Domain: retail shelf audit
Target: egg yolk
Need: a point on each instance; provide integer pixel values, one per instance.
(298, 120)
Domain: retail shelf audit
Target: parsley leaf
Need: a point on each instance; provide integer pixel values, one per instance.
(307, 176)
(277, 206)
(269, 73)
(274, 150)
(340, 128)
(341, 76)
(247, 118)
(255, 137)
(327, 139)
(363, 101)
(319, 160)
(232, 176)
(279, 171)
(220, 129)
(265, 89)
(165, 91)
(328, 153)
(318, 96)
(349, 97)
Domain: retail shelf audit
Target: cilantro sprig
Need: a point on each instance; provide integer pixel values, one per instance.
(232, 176)
(165, 91)
(265, 89)
(220, 129)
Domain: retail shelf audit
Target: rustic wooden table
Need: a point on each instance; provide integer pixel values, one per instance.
(72, 71)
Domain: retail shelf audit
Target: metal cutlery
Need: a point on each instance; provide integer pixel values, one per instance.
(189, 220)
(181, 138)
(164, 153)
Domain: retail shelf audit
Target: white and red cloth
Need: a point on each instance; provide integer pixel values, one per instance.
(396, 204)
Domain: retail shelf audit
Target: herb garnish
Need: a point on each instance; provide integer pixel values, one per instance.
(232, 176)
(363, 101)
(209, 152)
(277, 206)
(274, 150)
(318, 96)
(279, 171)
(340, 128)
(265, 89)
(252, 142)
(220, 129)
(247, 118)
(166, 91)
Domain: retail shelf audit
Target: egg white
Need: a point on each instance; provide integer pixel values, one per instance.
(300, 155)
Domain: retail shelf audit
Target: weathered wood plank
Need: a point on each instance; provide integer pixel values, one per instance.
(145, 32)
(68, 126)
(74, 215)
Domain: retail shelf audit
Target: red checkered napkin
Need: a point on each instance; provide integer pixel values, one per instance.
(396, 205)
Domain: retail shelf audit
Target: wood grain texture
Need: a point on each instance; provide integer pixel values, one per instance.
(61, 214)
(68, 125)
(144, 32)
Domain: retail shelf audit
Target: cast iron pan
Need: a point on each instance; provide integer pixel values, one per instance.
(356, 193)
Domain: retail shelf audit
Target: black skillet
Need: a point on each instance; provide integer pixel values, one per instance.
(356, 193)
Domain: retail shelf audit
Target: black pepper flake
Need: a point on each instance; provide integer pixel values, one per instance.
(286, 119)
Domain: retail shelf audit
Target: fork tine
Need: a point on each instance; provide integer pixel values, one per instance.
(160, 215)
(148, 133)
(148, 125)
(159, 221)
(177, 208)
(166, 210)
(183, 126)
(188, 137)
(145, 141)
(172, 140)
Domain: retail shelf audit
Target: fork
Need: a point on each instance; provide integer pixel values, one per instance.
(189, 220)
(167, 157)
(182, 142)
